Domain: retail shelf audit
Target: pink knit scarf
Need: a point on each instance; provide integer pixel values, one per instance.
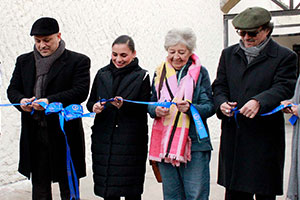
(169, 139)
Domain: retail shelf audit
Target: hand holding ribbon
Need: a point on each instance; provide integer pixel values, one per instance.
(226, 108)
(98, 107)
(250, 109)
(117, 102)
(37, 106)
(291, 108)
(26, 104)
(183, 106)
(161, 111)
(295, 110)
(287, 108)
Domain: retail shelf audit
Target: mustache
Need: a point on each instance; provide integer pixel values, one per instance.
(250, 40)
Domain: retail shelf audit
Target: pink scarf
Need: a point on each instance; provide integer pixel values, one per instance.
(169, 139)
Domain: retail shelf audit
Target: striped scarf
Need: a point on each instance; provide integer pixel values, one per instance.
(169, 140)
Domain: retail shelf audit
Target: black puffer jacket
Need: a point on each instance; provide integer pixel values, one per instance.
(120, 136)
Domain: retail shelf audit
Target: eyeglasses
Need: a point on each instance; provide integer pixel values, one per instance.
(250, 33)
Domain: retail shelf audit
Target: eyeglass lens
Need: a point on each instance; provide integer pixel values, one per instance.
(250, 33)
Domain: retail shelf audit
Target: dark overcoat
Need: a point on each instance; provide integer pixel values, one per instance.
(67, 82)
(251, 157)
(120, 136)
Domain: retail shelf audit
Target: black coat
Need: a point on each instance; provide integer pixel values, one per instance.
(67, 82)
(251, 157)
(120, 136)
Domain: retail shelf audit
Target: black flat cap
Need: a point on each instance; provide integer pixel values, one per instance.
(251, 18)
(44, 26)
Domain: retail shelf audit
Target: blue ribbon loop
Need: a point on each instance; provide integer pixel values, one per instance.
(235, 112)
(71, 112)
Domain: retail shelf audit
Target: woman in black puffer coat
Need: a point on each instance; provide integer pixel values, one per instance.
(120, 130)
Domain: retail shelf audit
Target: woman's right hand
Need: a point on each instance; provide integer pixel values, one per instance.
(98, 107)
(161, 111)
(286, 103)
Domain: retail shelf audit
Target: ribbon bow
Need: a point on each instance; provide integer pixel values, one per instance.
(71, 112)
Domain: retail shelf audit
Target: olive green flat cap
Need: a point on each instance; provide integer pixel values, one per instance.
(251, 18)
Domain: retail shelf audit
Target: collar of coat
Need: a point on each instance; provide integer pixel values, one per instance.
(57, 66)
(271, 49)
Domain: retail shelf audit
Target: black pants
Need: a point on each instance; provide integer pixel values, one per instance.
(41, 190)
(41, 173)
(237, 195)
(138, 197)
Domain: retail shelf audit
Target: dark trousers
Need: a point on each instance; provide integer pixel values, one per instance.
(138, 197)
(41, 190)
(41, 173)
(237, 195)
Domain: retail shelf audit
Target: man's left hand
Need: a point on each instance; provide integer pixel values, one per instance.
(37, 106)
(250, 109)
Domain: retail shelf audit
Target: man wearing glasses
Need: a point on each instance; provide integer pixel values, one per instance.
(253, 77)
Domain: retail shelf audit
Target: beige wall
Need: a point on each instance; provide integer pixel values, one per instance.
(89, 27)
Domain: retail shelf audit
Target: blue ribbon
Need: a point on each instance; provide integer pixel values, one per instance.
(165, 104)
(75, 111)
(71, 112)
(200, 128)
(235, 112)
(277, 109)
(14, 104)
(198, 123)
(292, 119)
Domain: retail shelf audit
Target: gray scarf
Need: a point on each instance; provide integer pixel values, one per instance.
(293, 192)
(253, 52)
(43, 65)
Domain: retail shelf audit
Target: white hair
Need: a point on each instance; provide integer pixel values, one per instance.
(185, 36)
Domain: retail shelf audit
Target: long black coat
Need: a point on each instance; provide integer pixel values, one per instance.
(251, 157)
(120, 136)
(67, 82)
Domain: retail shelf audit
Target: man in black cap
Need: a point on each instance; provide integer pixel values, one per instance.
(253, 77)
(50, 73)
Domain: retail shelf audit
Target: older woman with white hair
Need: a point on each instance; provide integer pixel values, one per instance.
(182, 157)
